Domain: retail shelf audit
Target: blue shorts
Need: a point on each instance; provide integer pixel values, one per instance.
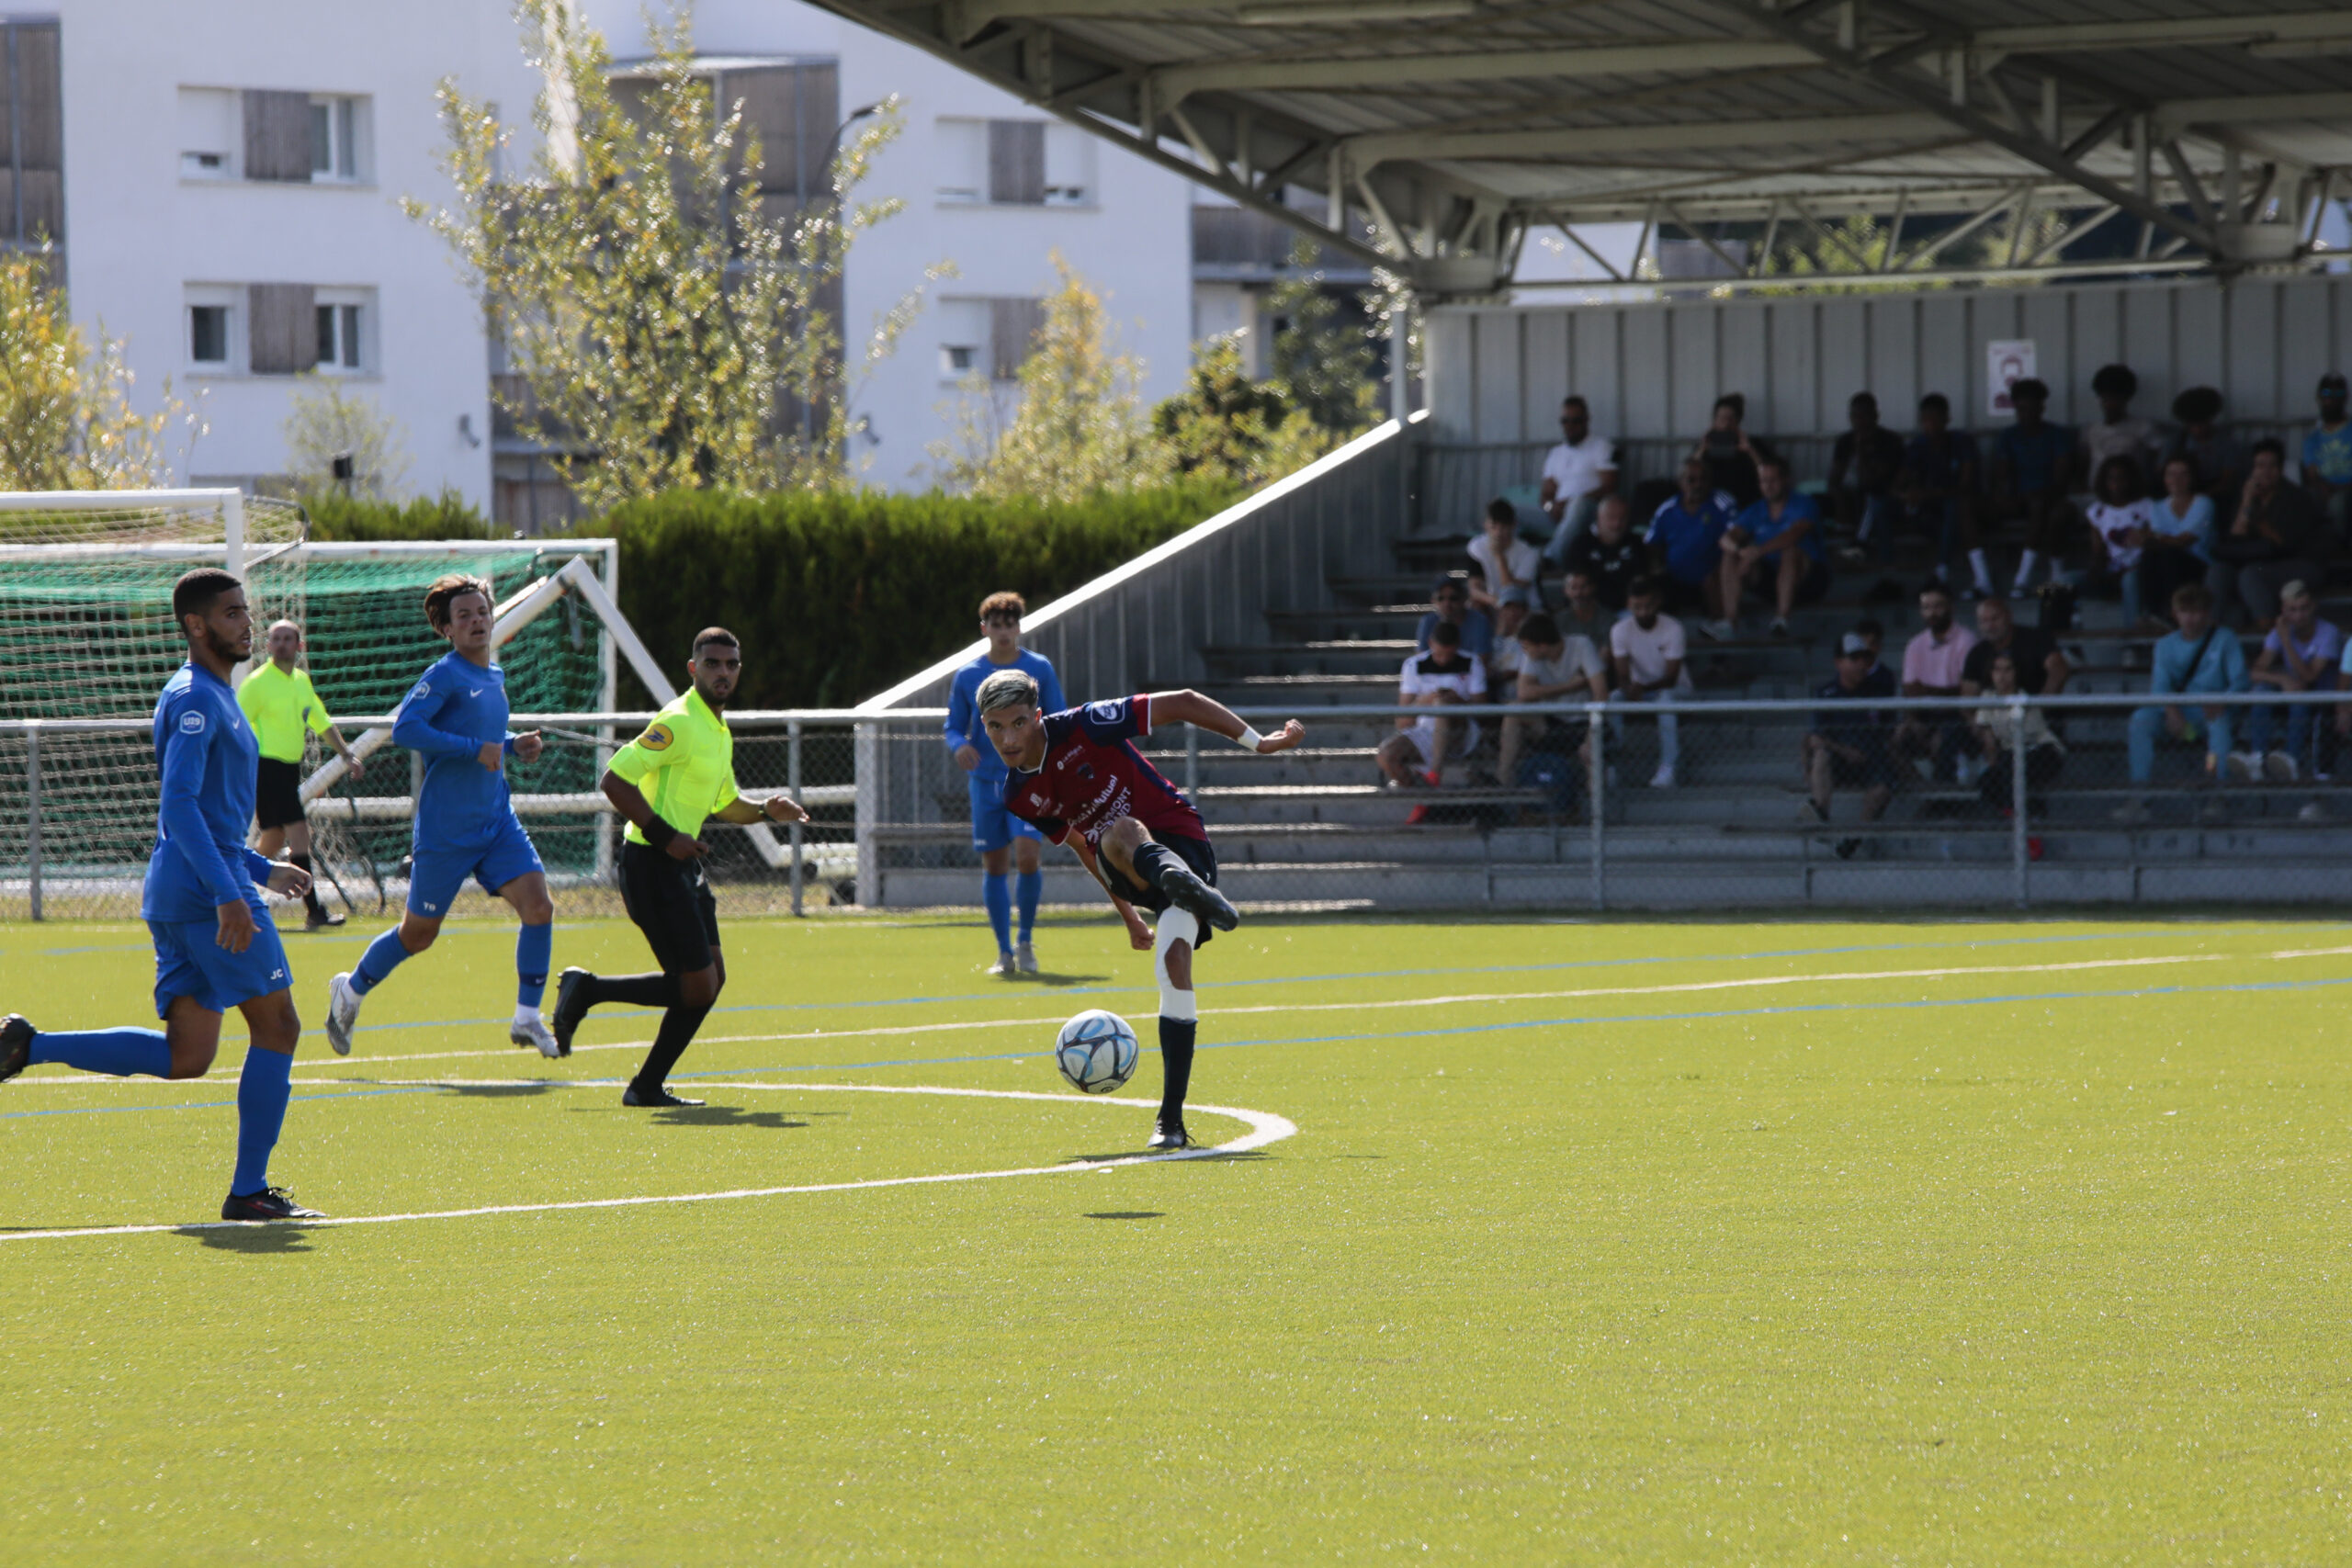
(994, 827)
(190, 962)
(436, 876)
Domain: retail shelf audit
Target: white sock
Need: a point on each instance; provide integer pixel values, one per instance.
(525, 1014)
(1983, 573)
(2026, 564)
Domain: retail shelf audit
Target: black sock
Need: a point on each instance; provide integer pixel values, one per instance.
(637, 990)
(310, 898)
(1175, 1065)
(1154, 861)
(669, 1042)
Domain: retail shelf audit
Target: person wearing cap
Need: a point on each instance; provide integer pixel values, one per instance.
(1450, 605)
(2327, 456)
(1848, 746)
(1500, 559)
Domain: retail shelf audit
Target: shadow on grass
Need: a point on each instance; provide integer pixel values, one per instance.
(1049, 978)
(1128, 1214)
(1190, 1154)
(500, 1090)
(256, 1239)
(724, 1116)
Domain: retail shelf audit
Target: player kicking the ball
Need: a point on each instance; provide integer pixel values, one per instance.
(466, 826)
(1079, 777)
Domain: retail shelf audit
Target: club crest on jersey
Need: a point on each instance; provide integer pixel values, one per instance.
(1086, 770)
(191, 724)
(1106, 710)
(656, 738)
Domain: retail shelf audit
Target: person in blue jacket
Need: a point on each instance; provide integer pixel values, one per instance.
(1002, 840)
(2202, 655)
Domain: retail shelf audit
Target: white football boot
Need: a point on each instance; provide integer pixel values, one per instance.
(343, 1011)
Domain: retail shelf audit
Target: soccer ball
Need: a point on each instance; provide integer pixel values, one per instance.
(1096, 1052)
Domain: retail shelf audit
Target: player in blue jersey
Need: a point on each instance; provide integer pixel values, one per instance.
(1001, 839)
(466, 826)
(216, 947)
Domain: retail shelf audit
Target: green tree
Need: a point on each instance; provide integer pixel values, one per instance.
(325, 423)
(1224, 425)
(66, 419)
(652, 310)
(1322, 357)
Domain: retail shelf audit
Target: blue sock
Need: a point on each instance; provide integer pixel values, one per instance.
(263, 1089)
(996, 893)
(533, 945)
(383, 955)
(118, 1053)
(1031, 884)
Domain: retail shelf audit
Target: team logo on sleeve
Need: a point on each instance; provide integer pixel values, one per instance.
(1106, 711)
(191, 724)
(657, 737)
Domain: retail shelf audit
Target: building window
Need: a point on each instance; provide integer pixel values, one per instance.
(208, 335)
(209, 133)
(1014, 162)
(1070, 166)
(989, 337)
(32, 137)
(338, 338)
(335, 139)
(216, 320)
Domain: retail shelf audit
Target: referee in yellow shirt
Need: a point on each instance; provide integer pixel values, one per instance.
(280, 704)
(668, 782)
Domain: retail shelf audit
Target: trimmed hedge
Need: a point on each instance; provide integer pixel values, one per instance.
(365, 521)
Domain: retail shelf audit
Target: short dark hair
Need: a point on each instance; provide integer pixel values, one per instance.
(1736, 401)
(1576, 400)
(2271, 445)
(2123, 460)
(193, 595)
(2192, 597)
(1450, 585)
(1937, 401)
(1501, 510)
(2030, 387)
(2115, 381)
(1539, 629)
(1771, 460)
(1642, 586)
(718, 635)
(449, 588)
(1935, 585)
(1005, 603)
(1445, 634)
(2198, 405)
(1863, 400)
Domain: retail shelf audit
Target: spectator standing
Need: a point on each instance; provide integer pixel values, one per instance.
(1775, 548)
(1862, 469)
(2120, 432)
(2122, 523)
(2042, 670)
(1685, 536)
(1451, 600)
(1581, 613)
(2180, 538)
(2033, 478)
(2219, 461)
(1730, 455)
(1648, 650)
(1504, 560)
(1442, 680)
(2277, 537)
(2000, 731)
(2202, 656)
(1933, 664)
(1939, 487)
(1553, 668)
(2328, 457)
(1576, 474)
(2299, 655)
(1610, 554)
(1848, 746)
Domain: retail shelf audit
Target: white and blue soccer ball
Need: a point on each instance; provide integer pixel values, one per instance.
(1097, 1051)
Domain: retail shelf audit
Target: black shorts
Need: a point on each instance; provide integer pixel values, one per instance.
(1194, 853)
(278, 793)
(672, 904)
(1874, 769)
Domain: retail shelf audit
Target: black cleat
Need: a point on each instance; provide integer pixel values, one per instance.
(1197, 899)
(16, 1044)
(1167, 1136)
(269, 1203)
(655, 1098)
(321, 920)
(568, 1012)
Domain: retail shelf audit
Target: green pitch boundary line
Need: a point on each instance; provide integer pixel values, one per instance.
(1265, 1128)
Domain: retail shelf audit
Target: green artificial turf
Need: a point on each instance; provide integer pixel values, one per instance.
(2039, 1262)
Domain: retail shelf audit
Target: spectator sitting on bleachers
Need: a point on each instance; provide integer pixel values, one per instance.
(1848, 746)
(1503, 560)
(1576, 474)
(1874, 636)
(1505, 657)
(2123, 521)
(2277, 537)
(1933, 663)
(2299, 655)
(1443, 679)
(1731, 457)
(2328, 457)
(2220, 461)
(1610, 553)
(1774, 547)
(2042, 670)
(1581, 613)
(1451, 602)
(2180, 540)
(1862, 468)
(2120, 432)
(1555, 667)
(2203, 656)
(1997, 732)
(2033, 478)
(1684, 537)
(1648, 650)
(1939, 487)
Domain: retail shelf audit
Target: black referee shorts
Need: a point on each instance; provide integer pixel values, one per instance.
(278, 793)
(1195, 852)
(672, 904)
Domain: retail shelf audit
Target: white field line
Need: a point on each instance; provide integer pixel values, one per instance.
(1264, 1128)
(1676, 988)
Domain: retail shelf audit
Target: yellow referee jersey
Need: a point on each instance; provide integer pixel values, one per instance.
(684, 764)
(280, 707)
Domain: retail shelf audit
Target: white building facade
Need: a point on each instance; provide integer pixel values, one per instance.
(224, 185)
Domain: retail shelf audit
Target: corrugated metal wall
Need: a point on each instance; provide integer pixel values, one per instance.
(1653, 370)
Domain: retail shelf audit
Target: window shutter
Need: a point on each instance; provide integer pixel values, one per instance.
(277, 137)
(29, 143)
(285, 325)
(1017, 162)
(1013, 326)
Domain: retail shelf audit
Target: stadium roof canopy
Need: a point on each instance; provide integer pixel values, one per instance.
(1439, 132)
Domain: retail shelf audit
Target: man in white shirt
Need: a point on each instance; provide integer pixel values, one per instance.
(1502, 560)
(1576, 474)
(1443, 679)
(1553, 668)
(1647, 647)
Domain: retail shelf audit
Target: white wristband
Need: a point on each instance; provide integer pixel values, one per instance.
(1248, 739)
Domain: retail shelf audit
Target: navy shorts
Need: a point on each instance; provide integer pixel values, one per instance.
(993, 826)
(1195, 852)
(436, 876)
(190, 962)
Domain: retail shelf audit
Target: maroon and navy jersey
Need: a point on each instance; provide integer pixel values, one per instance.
(1093, 775)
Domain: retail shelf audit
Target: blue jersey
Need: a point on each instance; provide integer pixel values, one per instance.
(1691, 542)
(457, 708)
(964, 728)
(207, 757)
(1761, 527)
